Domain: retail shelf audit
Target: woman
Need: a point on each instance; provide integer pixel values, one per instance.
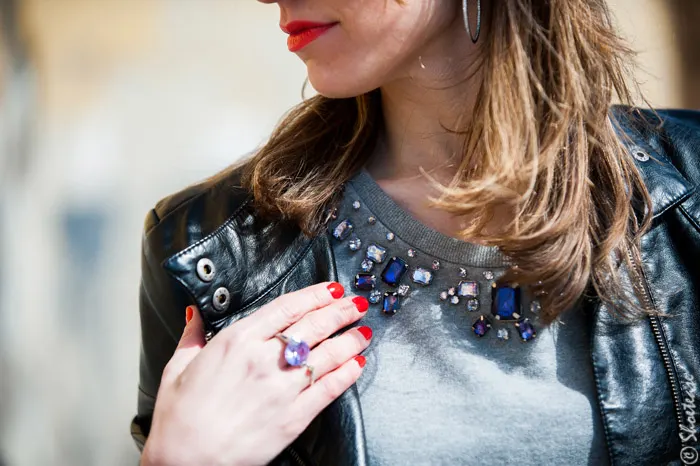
(515, 258)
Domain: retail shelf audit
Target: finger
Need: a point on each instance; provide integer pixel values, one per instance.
(314, 399)
(190, 344)
(333, 353)
(279, 314)
(318, 325)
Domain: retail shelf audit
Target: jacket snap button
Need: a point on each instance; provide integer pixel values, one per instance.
(221, 299)
(206, 269)
(640, 155)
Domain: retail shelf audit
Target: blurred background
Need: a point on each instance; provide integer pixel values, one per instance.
(105, 107)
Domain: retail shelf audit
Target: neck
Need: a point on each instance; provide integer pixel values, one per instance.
(434, 95)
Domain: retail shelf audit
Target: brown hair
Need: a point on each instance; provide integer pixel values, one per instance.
(546, 146)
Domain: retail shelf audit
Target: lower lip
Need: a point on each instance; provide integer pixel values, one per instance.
(298, 41)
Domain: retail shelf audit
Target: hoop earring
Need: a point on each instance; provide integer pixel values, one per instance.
(465, 13)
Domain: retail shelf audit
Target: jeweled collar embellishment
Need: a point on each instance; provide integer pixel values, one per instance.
(506, 300)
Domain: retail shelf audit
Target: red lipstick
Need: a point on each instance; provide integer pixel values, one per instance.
(302, 33)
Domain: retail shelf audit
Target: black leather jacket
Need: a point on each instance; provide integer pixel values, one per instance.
(647, 373)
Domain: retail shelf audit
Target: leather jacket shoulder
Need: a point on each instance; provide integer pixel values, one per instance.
(646, 372)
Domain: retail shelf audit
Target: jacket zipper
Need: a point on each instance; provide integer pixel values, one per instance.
(296, 457)
(661, 342)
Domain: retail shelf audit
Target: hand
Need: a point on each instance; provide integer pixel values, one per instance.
(236, 401)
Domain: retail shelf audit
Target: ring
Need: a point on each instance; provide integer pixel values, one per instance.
(296, 352)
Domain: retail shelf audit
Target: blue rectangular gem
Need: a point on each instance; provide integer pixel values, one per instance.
(394, 270)
(391, 302)
(505, 302)
(365, 281)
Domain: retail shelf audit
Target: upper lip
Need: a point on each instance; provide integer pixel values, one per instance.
(294, 27)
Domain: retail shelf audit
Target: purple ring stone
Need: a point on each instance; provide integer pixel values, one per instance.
(296, 352)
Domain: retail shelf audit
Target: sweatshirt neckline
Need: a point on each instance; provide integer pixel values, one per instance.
(418, 235)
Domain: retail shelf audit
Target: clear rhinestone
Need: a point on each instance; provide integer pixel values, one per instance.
(356, 205)
(468, 288)
(343, 229)
(535, 307)
(390, 236)
(371, 220)
(503, 334)
(462, 272)
(488, 275)
(454, 300)
(366, 265)
(422, 276)
(443, 295)
(472, 305)
(375, 296)
(451, 291)
(376, 253)
(355, 243)
(412, 253)
(403, 290)
(436, 264)
(334, 213)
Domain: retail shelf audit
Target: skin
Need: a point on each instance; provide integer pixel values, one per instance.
(235, 401)
(418, 54)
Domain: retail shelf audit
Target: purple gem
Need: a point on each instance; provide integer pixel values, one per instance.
(526, 330)
(391, 302)
(365, 281)
(481, 326)
(296, 352)
(343, 229)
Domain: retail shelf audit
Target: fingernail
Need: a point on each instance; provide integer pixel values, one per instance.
(189, 312)
(360, 360)
(361, 303)
(336, 289)
(365, 331)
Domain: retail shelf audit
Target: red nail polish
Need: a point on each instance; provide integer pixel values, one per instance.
(365, 331)
(336, 289)
(361, 303)
(360, 360)
(189, 312)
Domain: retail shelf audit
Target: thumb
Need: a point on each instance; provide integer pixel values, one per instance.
(193, 335)
(191, 342)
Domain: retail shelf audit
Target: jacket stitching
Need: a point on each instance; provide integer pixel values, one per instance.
(172, 209)
(214, 233)
(690, 218)
(675, 201)
(296, 263)
(606, 429)
(146, 393)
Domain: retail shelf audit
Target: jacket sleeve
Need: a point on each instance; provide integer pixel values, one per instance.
(162, 303)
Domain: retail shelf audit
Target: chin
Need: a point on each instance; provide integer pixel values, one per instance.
(336, 85)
